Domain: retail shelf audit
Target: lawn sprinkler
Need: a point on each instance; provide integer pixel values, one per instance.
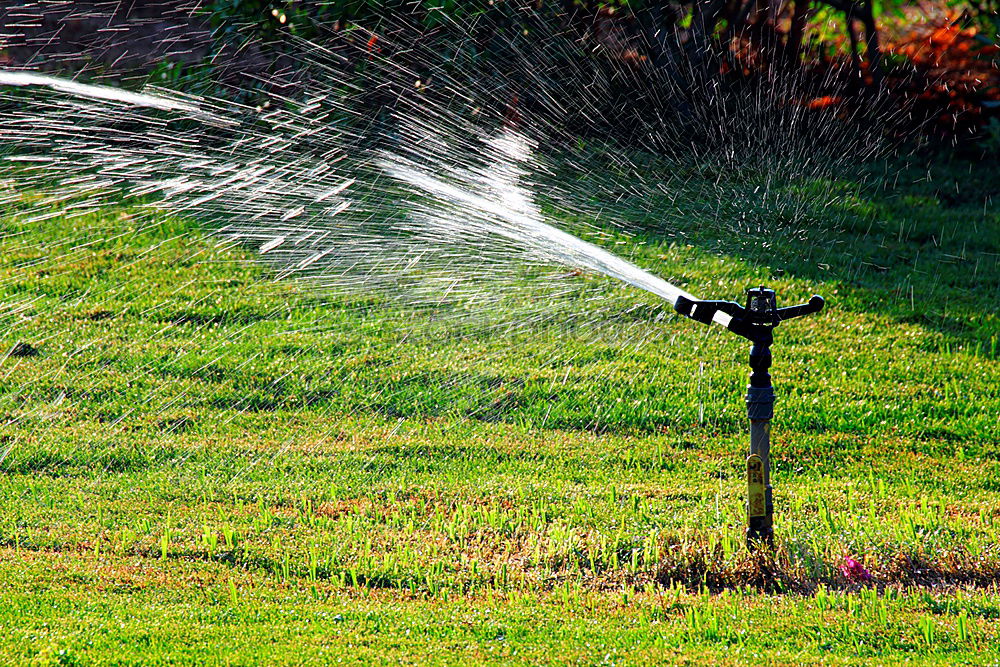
(756, 323)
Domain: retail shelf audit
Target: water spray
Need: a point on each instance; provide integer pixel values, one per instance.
(756, 323)
(428, 209)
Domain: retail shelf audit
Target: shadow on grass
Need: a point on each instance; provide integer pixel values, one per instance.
(918, 245)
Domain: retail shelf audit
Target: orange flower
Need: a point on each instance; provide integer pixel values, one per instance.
(823, 102)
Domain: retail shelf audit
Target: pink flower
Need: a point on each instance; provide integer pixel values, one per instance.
(853, 570)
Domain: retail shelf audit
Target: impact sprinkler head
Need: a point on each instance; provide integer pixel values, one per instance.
(757, 320)
(756, 323)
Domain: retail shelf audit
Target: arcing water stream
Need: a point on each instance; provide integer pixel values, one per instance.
(477, 203)
(509, 211)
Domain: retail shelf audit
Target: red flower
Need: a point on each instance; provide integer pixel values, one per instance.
(853, 570)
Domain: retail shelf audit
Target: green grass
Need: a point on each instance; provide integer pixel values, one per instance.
(205, 465)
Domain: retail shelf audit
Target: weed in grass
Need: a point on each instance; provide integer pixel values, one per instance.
(962, 626)
(926, 626)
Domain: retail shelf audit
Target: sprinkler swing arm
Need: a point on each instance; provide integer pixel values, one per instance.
(755, 322)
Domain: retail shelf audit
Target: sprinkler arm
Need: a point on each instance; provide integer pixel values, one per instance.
(815, 304)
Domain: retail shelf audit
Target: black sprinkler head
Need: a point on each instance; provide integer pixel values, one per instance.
(754, 322)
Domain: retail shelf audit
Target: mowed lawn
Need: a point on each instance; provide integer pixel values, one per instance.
(204, 464)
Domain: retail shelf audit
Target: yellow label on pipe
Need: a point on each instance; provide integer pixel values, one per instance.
(756, 503)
